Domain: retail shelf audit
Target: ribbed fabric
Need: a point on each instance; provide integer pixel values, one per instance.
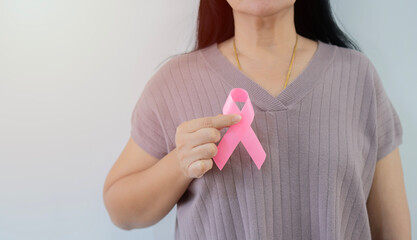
(322, 135)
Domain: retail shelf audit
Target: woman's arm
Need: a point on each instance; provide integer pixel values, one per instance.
(387, 205)
(140, 189)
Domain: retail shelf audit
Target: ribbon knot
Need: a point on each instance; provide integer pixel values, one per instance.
(239, 132)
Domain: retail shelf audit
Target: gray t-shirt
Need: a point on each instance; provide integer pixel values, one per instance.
(322, 136)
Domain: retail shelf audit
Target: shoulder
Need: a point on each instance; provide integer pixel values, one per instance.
(353, 57)
(173, 69)
(172, 83)
(355, 65)
(350, 56)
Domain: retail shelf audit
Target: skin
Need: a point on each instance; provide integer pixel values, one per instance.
(387, 206)
(140, 189)
(265, 37)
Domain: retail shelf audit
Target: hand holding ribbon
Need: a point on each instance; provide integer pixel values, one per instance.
(241, 131)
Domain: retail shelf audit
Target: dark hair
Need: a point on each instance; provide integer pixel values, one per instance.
(313, 19)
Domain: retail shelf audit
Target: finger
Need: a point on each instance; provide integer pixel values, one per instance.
(198, 168)
(220, 121)
(204, 151)
(202, 136)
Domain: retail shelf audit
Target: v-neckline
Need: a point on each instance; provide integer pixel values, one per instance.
(290, 95)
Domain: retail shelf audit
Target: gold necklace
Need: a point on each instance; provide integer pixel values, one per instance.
(289, 69)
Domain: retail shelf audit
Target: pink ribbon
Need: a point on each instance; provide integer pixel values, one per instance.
(241, 131)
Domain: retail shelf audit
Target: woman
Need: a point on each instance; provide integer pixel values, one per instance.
(330, 133)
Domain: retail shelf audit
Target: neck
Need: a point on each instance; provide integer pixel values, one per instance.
(265, 37)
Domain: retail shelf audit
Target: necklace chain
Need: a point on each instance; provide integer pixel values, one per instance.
(289, 69)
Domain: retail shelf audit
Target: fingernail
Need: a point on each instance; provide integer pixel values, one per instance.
(236, 119)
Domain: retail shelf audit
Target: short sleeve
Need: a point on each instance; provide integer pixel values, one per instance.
(388, 130)
(147, 128)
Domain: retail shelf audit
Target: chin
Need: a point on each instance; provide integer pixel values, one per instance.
(261, 8)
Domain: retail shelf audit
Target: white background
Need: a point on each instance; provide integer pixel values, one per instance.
(71, 72)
